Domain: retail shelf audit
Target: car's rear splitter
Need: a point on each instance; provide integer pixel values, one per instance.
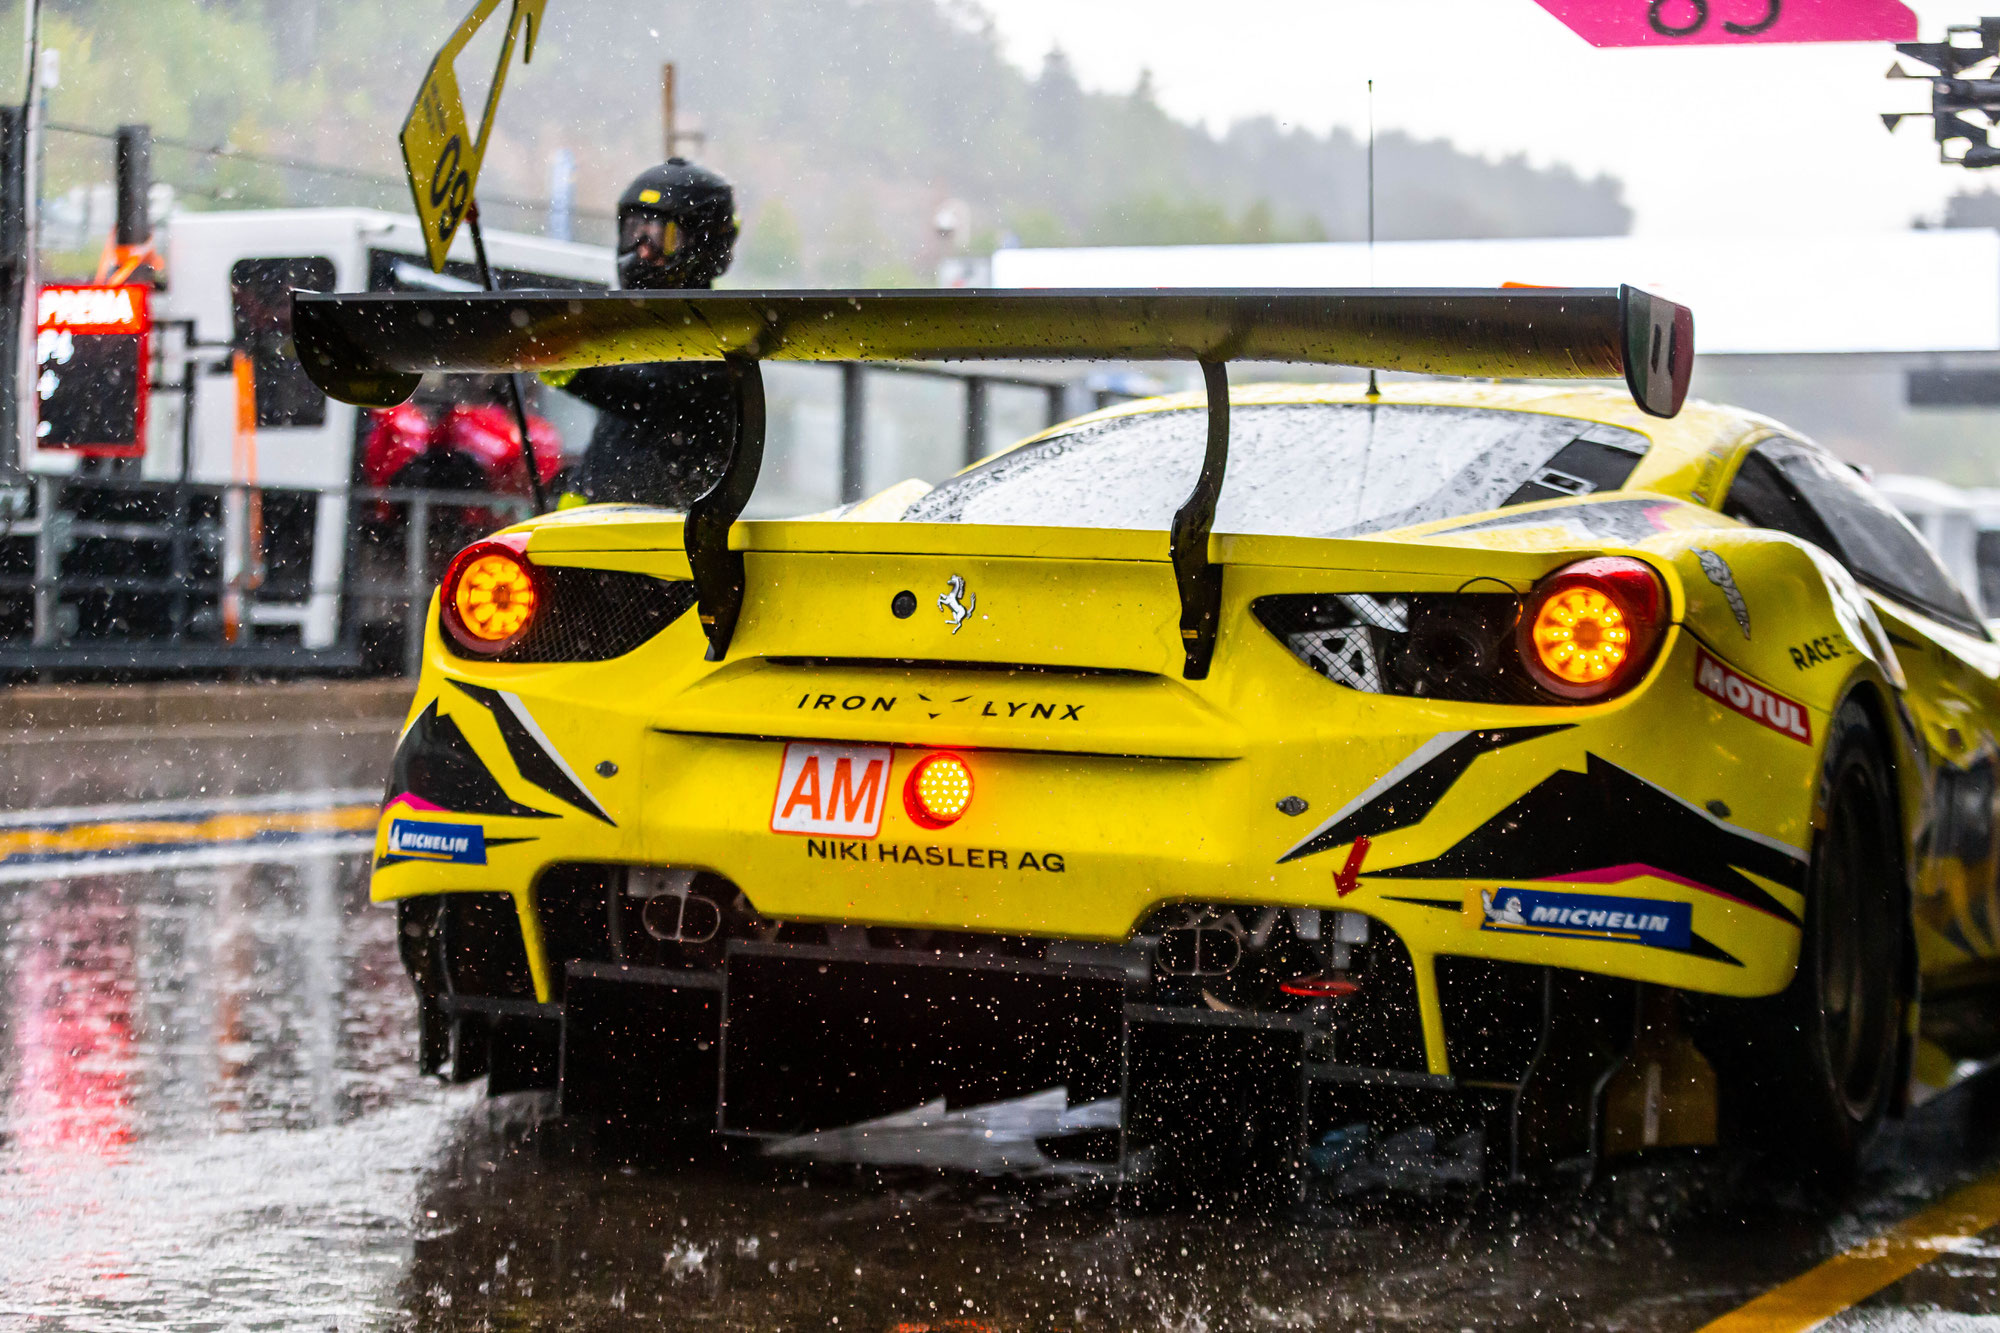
(789, 1039)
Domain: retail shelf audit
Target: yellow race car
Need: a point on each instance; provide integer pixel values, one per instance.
(1278, 760)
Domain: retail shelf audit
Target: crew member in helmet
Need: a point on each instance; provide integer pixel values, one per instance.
(664, 430)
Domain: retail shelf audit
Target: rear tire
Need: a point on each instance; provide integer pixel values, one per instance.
(1816, 1066)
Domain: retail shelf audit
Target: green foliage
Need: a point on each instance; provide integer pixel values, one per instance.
(1035, 227)
(772, 246)
(844, 124)
(1162, 219)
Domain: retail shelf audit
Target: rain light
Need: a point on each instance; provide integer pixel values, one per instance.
(938, 791)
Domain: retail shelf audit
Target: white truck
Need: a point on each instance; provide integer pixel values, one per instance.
(265, 526)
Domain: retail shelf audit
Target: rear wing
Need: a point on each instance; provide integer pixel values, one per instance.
(372, 350)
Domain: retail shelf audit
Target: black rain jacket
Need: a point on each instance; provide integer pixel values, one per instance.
(663, 434)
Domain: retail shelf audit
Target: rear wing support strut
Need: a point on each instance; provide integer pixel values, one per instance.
(1199, 581)
(719, 579)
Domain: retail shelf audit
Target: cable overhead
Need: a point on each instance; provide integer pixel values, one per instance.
(314, 168)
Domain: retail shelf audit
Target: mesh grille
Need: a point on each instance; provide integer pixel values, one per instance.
(1343, 655)
(1428, 645)
(593, 615)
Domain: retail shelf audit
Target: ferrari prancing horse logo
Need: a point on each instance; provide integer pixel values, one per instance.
(956, 603)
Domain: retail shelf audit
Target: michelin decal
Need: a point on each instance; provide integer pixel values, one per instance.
(1587, 915)
(428, 840)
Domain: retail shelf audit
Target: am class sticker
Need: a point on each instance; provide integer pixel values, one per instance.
(430, 840)
(831, 790)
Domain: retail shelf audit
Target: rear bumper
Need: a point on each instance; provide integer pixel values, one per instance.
(1459, 827)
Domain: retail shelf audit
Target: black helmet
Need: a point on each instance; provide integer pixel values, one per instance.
(676, 227)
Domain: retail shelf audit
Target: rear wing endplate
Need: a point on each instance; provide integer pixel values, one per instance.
(373, 349)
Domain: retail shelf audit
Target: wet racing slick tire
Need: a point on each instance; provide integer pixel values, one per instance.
(1810, 1074)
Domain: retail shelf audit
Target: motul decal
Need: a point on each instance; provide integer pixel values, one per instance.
(1774, 710)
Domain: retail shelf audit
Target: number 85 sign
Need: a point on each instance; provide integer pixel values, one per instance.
(439, 151)
(1716, 22)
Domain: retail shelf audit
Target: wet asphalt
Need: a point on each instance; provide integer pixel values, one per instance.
(210, 1119)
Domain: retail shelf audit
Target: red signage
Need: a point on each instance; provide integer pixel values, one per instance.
(1726, 22)
(93, 359)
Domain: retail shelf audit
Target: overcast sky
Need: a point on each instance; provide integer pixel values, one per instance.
(1706, 139)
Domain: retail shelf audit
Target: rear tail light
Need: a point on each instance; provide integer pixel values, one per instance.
(1586, 632)
(1590, 630)
(491, 594)
(938, 790)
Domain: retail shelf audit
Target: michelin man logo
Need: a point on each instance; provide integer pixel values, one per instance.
(1505, 913)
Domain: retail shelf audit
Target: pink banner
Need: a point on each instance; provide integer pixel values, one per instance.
(1719, 22)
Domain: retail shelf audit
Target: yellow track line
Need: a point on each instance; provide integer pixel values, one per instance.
(152, 832)
(1812, 1298)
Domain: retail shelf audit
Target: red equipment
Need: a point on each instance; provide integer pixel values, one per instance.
(463, 447)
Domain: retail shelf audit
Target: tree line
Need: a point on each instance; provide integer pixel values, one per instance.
(845, 124)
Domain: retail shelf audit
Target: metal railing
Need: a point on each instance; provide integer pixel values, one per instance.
(422, 561)
(164, 563)
(854, 411)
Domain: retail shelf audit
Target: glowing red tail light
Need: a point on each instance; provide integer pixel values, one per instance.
(491, 595)
(1591, 629)
(938, 790)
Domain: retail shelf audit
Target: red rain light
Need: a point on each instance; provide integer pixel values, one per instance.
(1591, 629)
(938, 790)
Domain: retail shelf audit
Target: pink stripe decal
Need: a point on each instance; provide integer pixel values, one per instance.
(1633, 869)
(1630, 870)
(411, 802)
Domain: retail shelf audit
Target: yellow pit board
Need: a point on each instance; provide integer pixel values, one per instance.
(440, 154)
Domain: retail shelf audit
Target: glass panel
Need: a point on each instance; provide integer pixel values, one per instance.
(1304, 470)
(916, 428)
(801, 472)
(1877, 544)
(261, 297)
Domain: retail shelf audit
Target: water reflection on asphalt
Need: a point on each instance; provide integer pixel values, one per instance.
(211, 1120)
(208, 1107)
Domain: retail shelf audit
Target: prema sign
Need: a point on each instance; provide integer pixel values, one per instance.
(1722, 22)
(92, 358)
